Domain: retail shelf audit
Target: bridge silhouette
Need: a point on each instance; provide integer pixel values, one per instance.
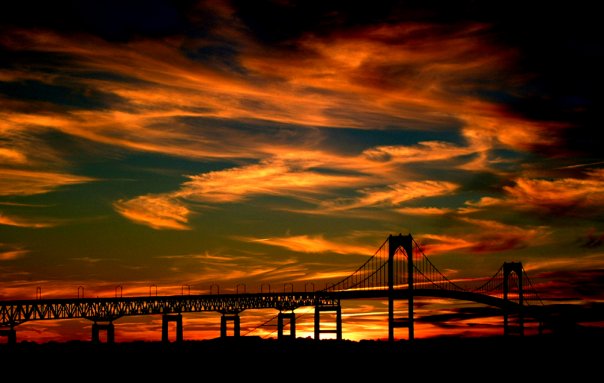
(399, 271)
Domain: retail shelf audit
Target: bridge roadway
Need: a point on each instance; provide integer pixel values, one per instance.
(16, 312)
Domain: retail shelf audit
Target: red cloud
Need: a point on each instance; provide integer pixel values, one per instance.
(563, 195)
(493, 237)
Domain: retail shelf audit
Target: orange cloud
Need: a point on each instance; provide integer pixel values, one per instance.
(276, 177)
(291, 174)
(313, 244)
(157, 212)
(22, 222)
(375, 76)
(422, 152)
(11, 252)
(429, 211)
(585, 262)
(493, 237)
(267, 178)
(570, 194)
(489, 125)
(399, 193)
(11, 155)
(29, 182)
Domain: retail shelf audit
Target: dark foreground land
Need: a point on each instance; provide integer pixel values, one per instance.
(580, 354)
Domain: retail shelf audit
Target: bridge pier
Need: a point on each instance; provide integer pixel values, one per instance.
(292, 325)
(338, 310)
(236, 325)
(108, 327)
(10, 334)
(165, 321)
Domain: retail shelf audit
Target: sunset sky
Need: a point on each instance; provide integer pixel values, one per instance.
(262, 142)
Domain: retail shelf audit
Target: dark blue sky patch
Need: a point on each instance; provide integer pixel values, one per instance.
(44, 62)
(377, 120)
(222, 57)
(353, 141)
(73, 96)
(238, 131)
(106, 76)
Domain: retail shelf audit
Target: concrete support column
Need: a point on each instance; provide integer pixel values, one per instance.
(236, 325)
(165, 320)
(280, 325)
(108, 327)
(10, 334)
(338, 310)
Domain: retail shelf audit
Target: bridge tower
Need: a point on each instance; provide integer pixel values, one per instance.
(508, 269)
(394, 242)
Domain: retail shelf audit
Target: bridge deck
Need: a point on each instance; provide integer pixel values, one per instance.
(107, 309)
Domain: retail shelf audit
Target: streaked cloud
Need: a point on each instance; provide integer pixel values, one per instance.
(592, 239)
(273, 178)
(10, 155)
(424, 151)
(573, 195)
(267, 178)
(157, 212)
(377, 76)
(29, 182)
(313, 244)
(586, 262)
(289, 176)
(394, 195)
(426, 211)
(493, 237)
(9, 252)
(24, 222)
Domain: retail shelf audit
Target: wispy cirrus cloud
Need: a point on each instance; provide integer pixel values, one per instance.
(424, 151)
(12, 156)
(10, 252)
(425, 211)
(155, 211)
(393, 195)
(313, 244)
(9, 220)
(493, 237)
(402, 192)
(587, 262)
(275, 177)
(349, 79)
(278, 177)
(377, 76)
(29, 182)
(571, 195)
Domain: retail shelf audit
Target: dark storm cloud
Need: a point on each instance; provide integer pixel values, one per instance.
(110, 19)
(75, 96)
(588, 284)
(460, 314)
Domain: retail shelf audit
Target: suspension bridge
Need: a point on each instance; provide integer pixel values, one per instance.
(399, 271)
